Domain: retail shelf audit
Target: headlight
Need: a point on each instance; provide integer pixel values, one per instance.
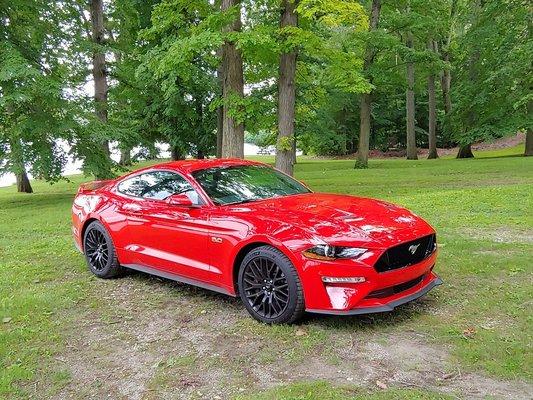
(327, 252)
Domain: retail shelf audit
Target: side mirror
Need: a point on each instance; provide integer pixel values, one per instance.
(179, 200)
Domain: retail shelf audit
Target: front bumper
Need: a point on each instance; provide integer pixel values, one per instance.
(389, 306)
(380, 291)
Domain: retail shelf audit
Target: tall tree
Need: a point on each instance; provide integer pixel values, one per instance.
(287, 93)
(529, 132)
(35, 116)
(366, 98)
(99, 65)
(410, 104)
(446, 76)
(432, 110)
(232, 87)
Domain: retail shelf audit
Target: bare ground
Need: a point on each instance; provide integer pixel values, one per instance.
(147, 338)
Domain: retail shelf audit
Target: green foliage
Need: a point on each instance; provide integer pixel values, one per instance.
(492, 60)
(34, 113)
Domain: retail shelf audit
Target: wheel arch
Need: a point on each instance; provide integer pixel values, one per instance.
(238, 260)
(248, 247)
(87, 222)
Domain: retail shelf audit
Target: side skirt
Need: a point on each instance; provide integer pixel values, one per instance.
(178, 278)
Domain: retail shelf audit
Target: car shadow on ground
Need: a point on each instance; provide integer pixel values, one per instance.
(378, 321)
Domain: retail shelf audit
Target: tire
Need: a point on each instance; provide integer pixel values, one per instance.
(99, 252)
(269, 286)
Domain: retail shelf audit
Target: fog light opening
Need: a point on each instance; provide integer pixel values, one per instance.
(348, 279)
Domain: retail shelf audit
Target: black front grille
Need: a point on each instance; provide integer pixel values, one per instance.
(380, 293)
(406, 254)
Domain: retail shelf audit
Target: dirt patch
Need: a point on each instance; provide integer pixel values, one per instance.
(500, 235)
(151, 338)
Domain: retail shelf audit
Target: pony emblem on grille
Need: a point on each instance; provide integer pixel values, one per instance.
(412, 249)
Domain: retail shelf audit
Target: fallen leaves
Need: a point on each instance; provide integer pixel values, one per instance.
(469, 332)
(6, 320)
(381, 385)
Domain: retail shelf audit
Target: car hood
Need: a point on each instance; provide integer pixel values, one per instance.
(341, 219)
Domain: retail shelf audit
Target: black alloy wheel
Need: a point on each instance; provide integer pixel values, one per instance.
(99, 251)
(270, 287)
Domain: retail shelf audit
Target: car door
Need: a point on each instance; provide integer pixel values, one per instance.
(163, 236)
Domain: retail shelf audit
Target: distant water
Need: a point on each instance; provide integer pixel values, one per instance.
(74, 166)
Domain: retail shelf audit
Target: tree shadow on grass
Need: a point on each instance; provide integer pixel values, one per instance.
(35, 201)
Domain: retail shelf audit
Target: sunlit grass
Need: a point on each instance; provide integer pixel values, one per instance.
(481, 209)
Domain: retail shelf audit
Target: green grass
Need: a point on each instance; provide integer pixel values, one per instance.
(481, 209)
(324, 391)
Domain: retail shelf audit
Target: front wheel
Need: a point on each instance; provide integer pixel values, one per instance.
(99, 251)
(270, 287)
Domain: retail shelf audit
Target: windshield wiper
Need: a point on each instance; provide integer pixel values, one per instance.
(241, 201)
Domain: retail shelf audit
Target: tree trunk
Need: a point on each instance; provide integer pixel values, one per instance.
(19, 169)
(99, 67)
(23, 183)
(294, 149)
(365, 112)
(176, 153)
(446, 77)
(125, 157)
(286, 95)
(445, 83)
(233, 86)
(410, 105)
(220, 111)
(364, 130)
(465, 152)
(529, 143)
(432, 117)
(529, 133)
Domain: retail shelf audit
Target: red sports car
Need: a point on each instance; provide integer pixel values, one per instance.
(245, 229)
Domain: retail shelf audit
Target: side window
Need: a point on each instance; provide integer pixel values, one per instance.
(158, 185)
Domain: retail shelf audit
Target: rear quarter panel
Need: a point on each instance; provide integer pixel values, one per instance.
(101, 206)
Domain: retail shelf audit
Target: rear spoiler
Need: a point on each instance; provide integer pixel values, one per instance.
(94, 185)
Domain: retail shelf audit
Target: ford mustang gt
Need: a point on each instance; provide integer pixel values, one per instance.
(245, 229)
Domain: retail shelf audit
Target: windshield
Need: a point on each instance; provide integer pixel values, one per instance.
(243, 183)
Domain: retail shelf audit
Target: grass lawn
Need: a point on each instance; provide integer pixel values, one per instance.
(478, 324)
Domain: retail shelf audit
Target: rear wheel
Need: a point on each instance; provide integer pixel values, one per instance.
(99, 251)
(270, 287)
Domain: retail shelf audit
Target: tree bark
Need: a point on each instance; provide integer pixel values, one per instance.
(529, 134)
(23, 183)
(445, 83)
(286, 95)
(99, 66)
(446, 77)
(125, 157)
(233, 85)
(432, 107)
(364, 130)
(410, 105)
(529, 143)
(176, 153)
(294, 149)
(220, 111)
(365, 111)
(19, 169)
(465, 151)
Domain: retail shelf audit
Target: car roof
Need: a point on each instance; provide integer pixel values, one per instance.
(191, 165)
